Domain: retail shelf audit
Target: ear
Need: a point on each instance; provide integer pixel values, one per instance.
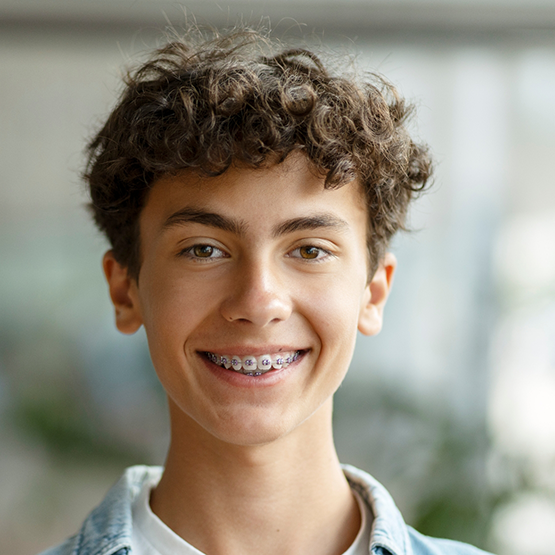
(376, 293)
(124, 294)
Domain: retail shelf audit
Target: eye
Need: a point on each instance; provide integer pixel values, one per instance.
(310, 252)
(203, 252)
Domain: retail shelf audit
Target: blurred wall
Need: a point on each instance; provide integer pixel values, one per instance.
(451, 406)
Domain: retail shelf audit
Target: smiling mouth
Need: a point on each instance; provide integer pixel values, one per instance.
(254, 365)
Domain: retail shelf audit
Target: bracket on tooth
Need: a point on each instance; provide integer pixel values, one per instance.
(265, 363)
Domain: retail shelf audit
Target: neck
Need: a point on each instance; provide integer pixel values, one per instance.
(288, 496)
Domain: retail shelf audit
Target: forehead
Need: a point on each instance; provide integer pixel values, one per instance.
(267, 193)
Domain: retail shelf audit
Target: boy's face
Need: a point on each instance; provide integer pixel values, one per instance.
(251, 263)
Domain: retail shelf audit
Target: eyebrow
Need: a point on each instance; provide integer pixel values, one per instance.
(198, 216)
(315, 221)
(239, 227)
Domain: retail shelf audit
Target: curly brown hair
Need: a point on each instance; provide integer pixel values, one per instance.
(235, 99)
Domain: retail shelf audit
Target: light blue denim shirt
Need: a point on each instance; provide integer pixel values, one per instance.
(107, 530)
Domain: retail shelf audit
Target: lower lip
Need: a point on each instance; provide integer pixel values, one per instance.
(238, 379)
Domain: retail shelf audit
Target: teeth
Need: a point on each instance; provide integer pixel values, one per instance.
(250, 363)
(264, 362)
(254, 366)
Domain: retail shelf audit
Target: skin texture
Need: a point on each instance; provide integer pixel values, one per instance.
(281, 267)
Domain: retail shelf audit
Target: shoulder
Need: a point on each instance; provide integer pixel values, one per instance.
(65, 548)
(425, 545)
(70, 547)
(107, 529)
(390, 532)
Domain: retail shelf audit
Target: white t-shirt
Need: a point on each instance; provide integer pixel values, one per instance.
(152, 537)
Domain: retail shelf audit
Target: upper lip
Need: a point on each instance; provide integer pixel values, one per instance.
(252, 351)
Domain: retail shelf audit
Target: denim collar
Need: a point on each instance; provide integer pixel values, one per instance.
(389, 531)
(107, 530)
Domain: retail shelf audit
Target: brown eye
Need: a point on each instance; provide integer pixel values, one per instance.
(309, 252)
(203, 251)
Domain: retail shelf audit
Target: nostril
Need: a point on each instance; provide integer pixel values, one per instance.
(259, 311)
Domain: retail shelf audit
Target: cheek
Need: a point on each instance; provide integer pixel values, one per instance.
(171, 311)
(335, 310)
(171, 316)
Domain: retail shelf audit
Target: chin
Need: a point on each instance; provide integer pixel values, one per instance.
(251, 432)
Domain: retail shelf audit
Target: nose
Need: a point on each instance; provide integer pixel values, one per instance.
(257, 294)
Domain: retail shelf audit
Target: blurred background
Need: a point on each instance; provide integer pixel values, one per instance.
(452, 406)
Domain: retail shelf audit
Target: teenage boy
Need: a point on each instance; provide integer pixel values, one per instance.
(249, 198)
